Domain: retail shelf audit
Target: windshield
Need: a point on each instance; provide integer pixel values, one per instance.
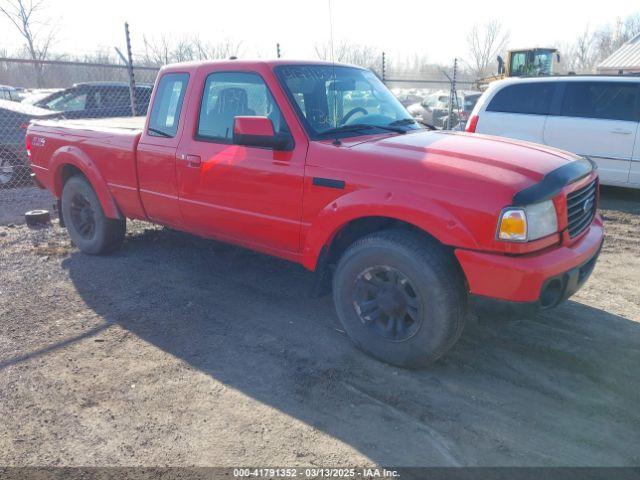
(329, 100)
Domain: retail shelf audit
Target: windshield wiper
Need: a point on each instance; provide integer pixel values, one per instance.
(411, 121)
(356, 127)
(159, 132)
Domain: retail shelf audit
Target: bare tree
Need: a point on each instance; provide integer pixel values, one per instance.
(582, 55)
(37, 33)
(345, 52)
(157, 51)
(591, 47)
(165, 49)
(485, 42)
(224, 48)
(608, 39)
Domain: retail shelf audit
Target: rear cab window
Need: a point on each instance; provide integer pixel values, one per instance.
(525, 98)
(167, 105)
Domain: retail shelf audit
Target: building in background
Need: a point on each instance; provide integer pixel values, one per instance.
(624, 60)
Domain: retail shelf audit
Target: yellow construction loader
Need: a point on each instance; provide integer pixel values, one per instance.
(525, 62)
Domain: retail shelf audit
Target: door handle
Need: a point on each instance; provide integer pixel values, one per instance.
(620, 131)
(191, 160)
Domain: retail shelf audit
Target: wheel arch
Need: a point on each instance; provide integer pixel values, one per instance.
(344, 221)
(69, 161)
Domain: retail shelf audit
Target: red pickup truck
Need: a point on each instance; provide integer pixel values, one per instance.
(321, 165)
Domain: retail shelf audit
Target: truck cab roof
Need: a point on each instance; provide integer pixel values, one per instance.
(247, 64)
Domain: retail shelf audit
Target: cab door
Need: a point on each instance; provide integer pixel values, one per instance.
(598, 119)
(156, 154)
(248, 195)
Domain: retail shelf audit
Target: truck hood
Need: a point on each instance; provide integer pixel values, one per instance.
(520, 164)
(456, 183)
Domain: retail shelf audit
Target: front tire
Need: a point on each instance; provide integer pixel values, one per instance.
(400, 297)
(89, 228)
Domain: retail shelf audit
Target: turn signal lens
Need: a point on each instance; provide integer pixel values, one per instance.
(513, 225)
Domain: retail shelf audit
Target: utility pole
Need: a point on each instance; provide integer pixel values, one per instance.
(278, 49)
(384, 67)
(132, 80)
(453, 96)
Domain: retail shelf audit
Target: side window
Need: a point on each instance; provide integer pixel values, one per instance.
(607, 100)
(529, 98)
(69, 102)
(230, 94)
(113, 97)
(167, 105)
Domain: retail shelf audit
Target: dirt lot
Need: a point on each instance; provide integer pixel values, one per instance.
(181, 351)
(15, 201)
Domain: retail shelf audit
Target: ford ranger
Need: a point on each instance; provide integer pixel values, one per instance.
(319, 164)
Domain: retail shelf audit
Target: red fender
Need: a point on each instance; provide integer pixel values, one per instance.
(431, 217)
(69, 155)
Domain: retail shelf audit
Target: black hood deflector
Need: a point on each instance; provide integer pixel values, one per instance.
(554, 181)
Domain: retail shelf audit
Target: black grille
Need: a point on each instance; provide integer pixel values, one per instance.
(581, 208)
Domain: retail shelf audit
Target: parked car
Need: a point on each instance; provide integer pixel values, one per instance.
(593, 116)
(97, 99)
(463, 111)
(33, 96)
(14, 119)
(402, 223)
(11, 93)
(407, 99)
(434, 109)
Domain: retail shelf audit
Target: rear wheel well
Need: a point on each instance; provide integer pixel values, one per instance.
(69, 171)
(66, 173)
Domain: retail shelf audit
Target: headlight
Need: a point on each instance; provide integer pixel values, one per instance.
(522, 224)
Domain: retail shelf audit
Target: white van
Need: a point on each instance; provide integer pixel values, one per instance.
(594, 116)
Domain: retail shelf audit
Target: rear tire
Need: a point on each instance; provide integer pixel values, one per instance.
(89, 228)
(401, 297)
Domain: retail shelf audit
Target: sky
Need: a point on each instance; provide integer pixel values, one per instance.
(401, 28)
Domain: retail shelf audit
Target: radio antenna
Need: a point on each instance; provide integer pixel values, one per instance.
(333, 73)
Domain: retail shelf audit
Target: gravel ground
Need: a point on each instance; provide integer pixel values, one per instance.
(15, 201)
(181, 351)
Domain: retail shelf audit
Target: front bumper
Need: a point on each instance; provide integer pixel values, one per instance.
(545, 278)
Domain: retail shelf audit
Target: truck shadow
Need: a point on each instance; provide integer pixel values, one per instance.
(560, 388)
(625, 200)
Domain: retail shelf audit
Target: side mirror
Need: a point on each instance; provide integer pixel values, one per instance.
(257, 132)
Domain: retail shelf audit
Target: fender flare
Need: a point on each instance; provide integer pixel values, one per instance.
(432, 218)
(70, 155)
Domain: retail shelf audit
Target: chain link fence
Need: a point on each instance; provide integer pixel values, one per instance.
(61, 90)
(54, 89)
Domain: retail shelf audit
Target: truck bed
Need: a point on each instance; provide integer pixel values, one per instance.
(99, 124)
(109, 143)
